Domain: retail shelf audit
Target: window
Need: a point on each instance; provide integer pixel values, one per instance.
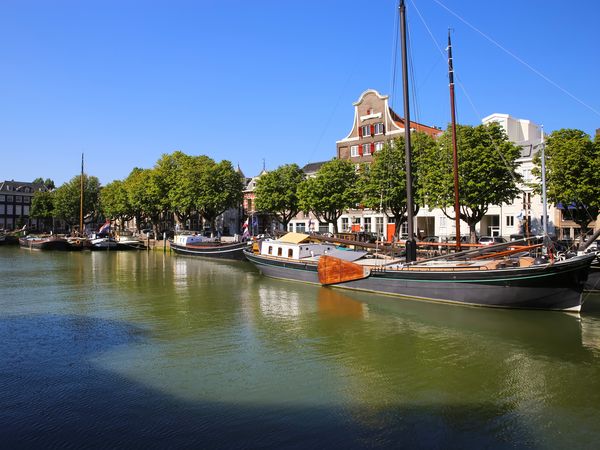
(379, 128)
(26, 210)
(18, 210)
(290, 227)
(510, 221)
(270, 249)
(2, 209)
(249, 204)
(9, 210)
(378, 146)
(290, 252)
(10, 198)
(300, 227)
(323, 227)
(368, 224)
(345, 226)
(2, 198)
(367, 149)
(279, 251)
(379, 225)
(19, 199)
(26, 199)
(354, 150)
(365, 130)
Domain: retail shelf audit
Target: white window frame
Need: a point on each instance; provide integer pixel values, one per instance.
(378, 146)
(354, 151)
(366, 149)
(379, 128)
(368, 130)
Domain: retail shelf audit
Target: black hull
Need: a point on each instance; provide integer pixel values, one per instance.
(555, 287)
(216, 250)
(45, 244)
(593, 282)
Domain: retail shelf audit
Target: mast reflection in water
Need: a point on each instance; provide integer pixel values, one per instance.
(113, 349)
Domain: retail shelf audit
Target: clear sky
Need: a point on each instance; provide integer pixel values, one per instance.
(126, 81)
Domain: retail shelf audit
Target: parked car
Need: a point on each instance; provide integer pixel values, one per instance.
(491, 240)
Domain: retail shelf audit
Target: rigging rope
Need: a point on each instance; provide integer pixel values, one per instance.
(529, 66)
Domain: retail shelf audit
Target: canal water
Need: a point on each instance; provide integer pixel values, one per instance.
(138, 349)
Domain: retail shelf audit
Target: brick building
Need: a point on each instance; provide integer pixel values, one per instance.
(374, 124)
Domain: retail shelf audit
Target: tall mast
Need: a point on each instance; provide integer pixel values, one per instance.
(454, 146)
(544, 199)
(81, 199)
(411, 245)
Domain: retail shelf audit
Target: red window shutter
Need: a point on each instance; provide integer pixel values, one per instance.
(360, 150)
(359, 131)
(372, 130)
(372, 147)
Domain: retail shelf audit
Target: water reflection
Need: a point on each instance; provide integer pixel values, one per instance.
(259, 350)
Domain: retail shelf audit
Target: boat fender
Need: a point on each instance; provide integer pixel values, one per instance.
(77, 242)
(540, 260)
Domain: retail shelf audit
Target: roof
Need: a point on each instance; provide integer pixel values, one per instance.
(18, 186)
(313, 167)
(399, 121)
(294, 238)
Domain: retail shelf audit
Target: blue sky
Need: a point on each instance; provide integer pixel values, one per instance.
(126, 81)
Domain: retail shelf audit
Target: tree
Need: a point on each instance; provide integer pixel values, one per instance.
(487, 172)
(48, 183)
(276, 192)
(383, 184)
(330, 192)
(114, 201)
(220, 188)
(572, 168)
(67, 199)
(145, 195)
(42, 206)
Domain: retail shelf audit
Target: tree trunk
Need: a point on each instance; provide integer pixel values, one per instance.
(472, 233)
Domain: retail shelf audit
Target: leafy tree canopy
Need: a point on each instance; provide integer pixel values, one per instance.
(487, 172)
(276, 192)
(114, 201)
(331, 191)
(67, 199)
(572, 168)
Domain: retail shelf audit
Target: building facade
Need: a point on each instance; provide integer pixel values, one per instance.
(375, 123)
(15, 204)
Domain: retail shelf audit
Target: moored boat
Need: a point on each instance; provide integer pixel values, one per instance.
(127, 241)
(506, 282)
(103, 243)
(196, 245)
(52, 242)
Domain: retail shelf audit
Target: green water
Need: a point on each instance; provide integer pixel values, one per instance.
(142, 349)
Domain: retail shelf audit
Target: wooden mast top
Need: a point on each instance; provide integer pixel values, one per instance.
(454, 144)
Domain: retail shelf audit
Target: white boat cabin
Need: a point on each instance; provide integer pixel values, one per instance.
(191, 239)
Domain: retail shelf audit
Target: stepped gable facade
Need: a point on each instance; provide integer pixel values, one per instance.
(375, 123)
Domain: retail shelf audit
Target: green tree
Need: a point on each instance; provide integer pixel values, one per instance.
(114, 201)
(42, 207)
(220, 188)
(487, 172)
(67, 199)
(276, 192)
(333, 190)
(572, 168)
(383, 184)
(48, 183)
(145, 195)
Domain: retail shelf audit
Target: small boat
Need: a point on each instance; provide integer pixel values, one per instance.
(52, 242)
(101, 242)
(512, 279)
(196, 245)
(127, 241)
